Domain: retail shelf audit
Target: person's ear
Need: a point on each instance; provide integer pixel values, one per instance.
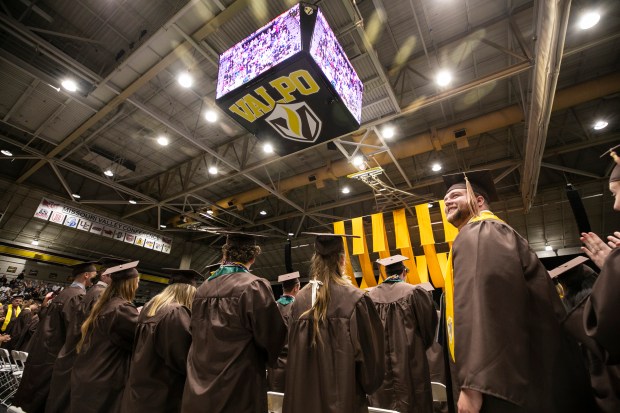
(481, 202)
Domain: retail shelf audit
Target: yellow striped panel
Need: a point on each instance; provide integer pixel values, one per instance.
(339, 229)
(359, 244)
(433, 265)
(424, 224)
(422, 268)
(450, 230)
(401, 230)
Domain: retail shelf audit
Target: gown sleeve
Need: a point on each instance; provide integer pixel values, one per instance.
(123, 327)
(368, 344)
(262, 316)
(602, 310)
(425, 315)
(174, 352)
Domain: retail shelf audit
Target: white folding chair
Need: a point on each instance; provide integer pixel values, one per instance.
(9, 382)
(275, 399)
(439, 392)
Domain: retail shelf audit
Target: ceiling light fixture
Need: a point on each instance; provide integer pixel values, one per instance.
(548, 248)
(76, 196)
(436, 167)
(162, 226)
(430, 204)
(589, 20)
(163, 141)
(290, 234)
(35, 242)
(346, 190)
(268, 148)
(600, 124)
(210, 211)
(6, 152)
(185, 79)
(388, 132)
(211, 116)
(108, 173)
(443, 78)
(69, 85)
(132, 202)
(263, 212)
(213, 170)
(358, 161)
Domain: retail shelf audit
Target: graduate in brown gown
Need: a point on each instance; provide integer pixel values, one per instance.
(52, 333)
(602, 310)
(30, 322)
(290, 287)
(336, 345)
(158, 365)
(59, 399)
(508, 349)
(575, 280)
(236, 330)
(104, 351)
(19, 326)
(12, 313)
(409, 321)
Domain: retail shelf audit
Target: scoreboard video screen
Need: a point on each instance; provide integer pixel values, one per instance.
(290, 83)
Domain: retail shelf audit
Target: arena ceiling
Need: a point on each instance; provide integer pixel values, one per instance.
(527, 86)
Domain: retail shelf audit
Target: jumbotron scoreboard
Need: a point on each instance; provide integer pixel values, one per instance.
(290, 82)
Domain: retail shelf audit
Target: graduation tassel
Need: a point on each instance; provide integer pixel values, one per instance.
(315, 289)
(471, 199)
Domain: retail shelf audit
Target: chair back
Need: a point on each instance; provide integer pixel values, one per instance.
(439, 392)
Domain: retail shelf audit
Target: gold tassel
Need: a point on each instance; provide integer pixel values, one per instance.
(471, 199)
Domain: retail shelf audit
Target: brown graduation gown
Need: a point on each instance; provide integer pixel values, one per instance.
(509, 343)
(101, 368)
(59, 399)
(18, 328)
(602, 310)
(48, 340)
(409, 321)
(236, 329)
(158, 364)
(336, 376)
(276, 375)
(605, 379)
(22, 342)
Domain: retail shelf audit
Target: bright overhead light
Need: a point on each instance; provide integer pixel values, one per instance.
(69, 85)
(388, 132)
(290, 234)
(35, 242)
(76, 196)
(600, 124)
(268, 148)
(358, 161)
(211, 116)
(132, 202)
(6, 153)
(162, 226)
(108, 173)
(210, 211)
(346, 190)
(443, 78)
(548, 248)
(213, 170)
(163, 141)
(436, 167)
(589, 20)
(185, 79)
(263, 212)
(430, 204)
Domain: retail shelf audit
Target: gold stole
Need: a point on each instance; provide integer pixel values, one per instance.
(9, 314)
(449, 285)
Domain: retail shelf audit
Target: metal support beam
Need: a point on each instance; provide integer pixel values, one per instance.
(570, 170)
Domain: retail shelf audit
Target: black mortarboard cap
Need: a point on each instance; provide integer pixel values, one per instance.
(179, 276)
(481, 182)
(123, 271)
(615, 173)
(327, 243)
(83, 267)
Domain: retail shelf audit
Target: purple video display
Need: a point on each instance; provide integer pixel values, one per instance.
(259, 52)
(328, 54)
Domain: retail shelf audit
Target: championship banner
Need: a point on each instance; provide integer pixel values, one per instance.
(71, 217)
(290, 83)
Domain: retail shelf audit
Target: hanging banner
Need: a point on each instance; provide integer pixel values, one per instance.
(71, 217)
(361, 250)
(380, 242)
(403, 242)
(428, 244)
(450, 230)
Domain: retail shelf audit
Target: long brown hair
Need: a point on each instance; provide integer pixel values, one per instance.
(125, 289)
(325, 269)
(175, 293)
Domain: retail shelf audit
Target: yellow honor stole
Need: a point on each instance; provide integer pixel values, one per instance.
(449, 287)
(9, 315)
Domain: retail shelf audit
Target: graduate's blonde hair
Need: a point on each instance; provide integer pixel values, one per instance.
(125, 289)
(175, 293)
(325, 269)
